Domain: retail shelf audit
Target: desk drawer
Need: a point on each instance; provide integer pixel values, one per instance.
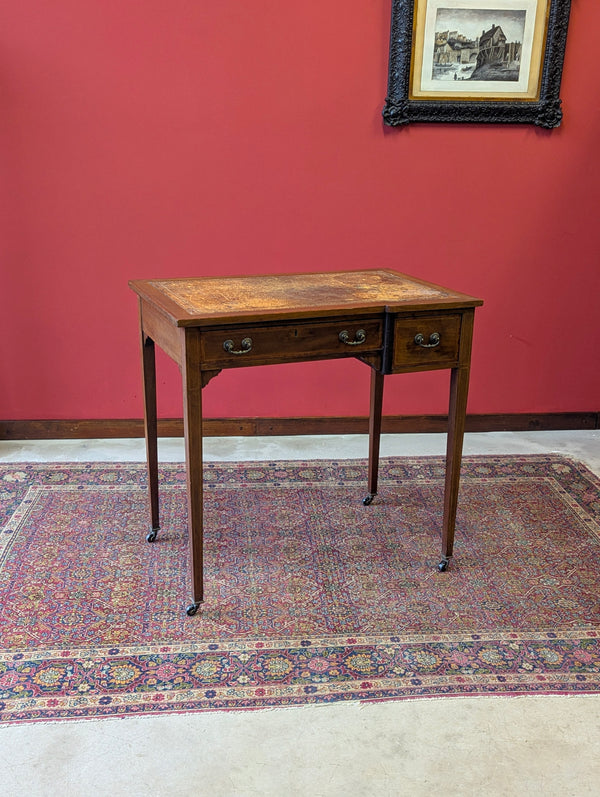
(290, 342)
(426, 341)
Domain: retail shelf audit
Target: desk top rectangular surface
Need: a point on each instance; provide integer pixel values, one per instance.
(203, 300)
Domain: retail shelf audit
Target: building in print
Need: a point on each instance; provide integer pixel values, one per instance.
(453, 48)
(495, 50)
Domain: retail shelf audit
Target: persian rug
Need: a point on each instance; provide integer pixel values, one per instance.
(311, 597)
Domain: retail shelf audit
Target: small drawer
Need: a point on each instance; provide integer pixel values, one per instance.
(426, 341)
(231, 347)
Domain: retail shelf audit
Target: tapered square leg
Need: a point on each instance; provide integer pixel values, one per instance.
(192, 423)
(150, 431)
(459, 388)
(375, 411)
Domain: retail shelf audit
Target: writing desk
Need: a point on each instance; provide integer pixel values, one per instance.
(392, 322)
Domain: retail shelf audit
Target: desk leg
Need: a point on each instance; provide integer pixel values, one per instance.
(192, 425)
(374, 433)
(150, 430)
(459, 388)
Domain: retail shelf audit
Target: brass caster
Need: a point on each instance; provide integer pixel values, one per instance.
(151, 536)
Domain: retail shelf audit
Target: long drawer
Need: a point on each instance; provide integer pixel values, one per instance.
(230, 347)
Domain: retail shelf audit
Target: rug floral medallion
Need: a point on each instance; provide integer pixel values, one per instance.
(311, 597)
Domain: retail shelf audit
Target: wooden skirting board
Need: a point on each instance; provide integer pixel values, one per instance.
(243, 427)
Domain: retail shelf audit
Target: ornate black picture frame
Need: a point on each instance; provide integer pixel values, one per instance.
(452, 61)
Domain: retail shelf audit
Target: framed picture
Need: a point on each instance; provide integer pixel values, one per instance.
(497, 61)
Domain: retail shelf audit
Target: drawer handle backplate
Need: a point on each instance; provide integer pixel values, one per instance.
(246, 346)
(434, 340)
(359, 338)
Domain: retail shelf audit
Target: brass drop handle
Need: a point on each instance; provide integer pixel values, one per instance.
(434, 340)
(246, 346)
(359, 338)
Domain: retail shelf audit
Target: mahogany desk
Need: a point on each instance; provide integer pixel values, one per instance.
(392, 322)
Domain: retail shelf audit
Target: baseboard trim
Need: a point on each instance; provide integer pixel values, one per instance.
(244, 427)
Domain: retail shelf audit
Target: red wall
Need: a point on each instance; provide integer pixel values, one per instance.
(152, 139)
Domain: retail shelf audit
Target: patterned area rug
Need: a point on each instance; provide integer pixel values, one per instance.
(311, 596)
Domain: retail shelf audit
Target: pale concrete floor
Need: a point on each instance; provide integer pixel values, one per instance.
(451, 746)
